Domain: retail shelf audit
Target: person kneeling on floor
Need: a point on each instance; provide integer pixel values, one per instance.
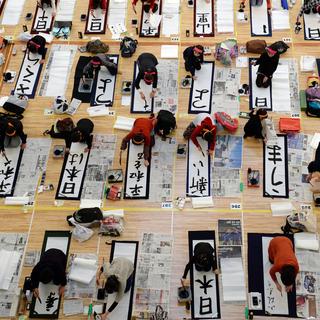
(202, 126)
(164, 124)
(65, 129)
(119, 276)
(11, 134)
(43, 4)
(95, 4)
(141, 133)
(94, 65)
(284, 261)
(51, 267)
(203, 259)
(37, 44)
(193, 58)
(253, 128)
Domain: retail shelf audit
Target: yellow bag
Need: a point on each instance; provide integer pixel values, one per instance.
(313, 81)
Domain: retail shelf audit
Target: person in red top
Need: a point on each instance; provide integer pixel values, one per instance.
(95, 4)
(284, 261)
(141, 133)
(202, 126)
(149, 6)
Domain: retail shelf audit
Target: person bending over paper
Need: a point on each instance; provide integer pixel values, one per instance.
(148, 72)
(193, 58)
(11, 134)
(284, 261)
(37, 44)
(141, 133)
(149, 6)
(203, 259)
(48, 3)
(101, 59)
(119, 280)
(95, 4)
(202, 126)
(51, 267)
(314, 172)
(253, 127)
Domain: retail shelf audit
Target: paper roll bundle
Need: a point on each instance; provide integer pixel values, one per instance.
(83, 270)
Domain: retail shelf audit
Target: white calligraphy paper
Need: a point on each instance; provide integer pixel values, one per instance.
(205, 300)
(260, 20)
(274, 302)
(311, 26)
(12, 12)
(201, 91)
(139, 105)
(124, 308)
(105, 86)
(147, 29)
(203, 18)
(198, 178)
(260, 97)
(43, 20)
(275, 174)
(29, 75)
(65, 10)
(96, 22)
(9, 168)
(137, 174)
(281, 100)
(73, 173)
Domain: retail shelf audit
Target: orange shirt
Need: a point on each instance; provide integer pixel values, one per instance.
(281, 253)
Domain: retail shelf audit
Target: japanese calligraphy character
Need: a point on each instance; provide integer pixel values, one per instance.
(103, 88)
(200, 185)
(205, 284)
(205, 306)
(3, 186)
(314, 33)
(96, 24)
(72, 173)
(30, 74)
(276, 156)
(261, 102)
(41, 22)
(22, 88)
(35, 60)
(137, 175)
(50, 301)
(199, 97)
(273, 182)
(68, 188)
(8, 172)
(203, 21)
(135, 191)
(74, 156)
(140, 155)
(149, 31)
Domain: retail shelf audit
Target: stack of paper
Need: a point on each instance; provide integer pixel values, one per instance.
(280, 20)
(83, 270)
(225, 16)
(169, 51)
(9, 264)
(170, 17)
(72, 307)
(12, 13)
(281, 208)
(117, 12)
(307, 63)
(124, 123)
(281, 101)
(306, 240)
(65, 10)
(233, 284)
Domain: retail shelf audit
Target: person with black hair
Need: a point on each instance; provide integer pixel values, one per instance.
(94, 65)
(147, 63)
(119, 276)
(314, 172)
(202, 126)
(51, 267)
(141, 133)
(253, 128)
(48, 3)
(37, 44)
(281, 255)
(148, 6)
(95, 4)
(193, 58)
(203, 259)
(165, 123)
(11, 134)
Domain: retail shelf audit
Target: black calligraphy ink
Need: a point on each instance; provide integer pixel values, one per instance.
(68, 188)
(203, 21)
(96, 25)
(50, 301)
(276, 156)
(136, 190)
(103, 88)
(205, 284)
(314, 33)
(42, 21)
(199, 97)
(261, 102)
(137, 175)
(205, 306)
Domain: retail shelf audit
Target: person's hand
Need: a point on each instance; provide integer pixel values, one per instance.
(54, 13)
(253, 62)
(3, 153)
(61, 291)
(105, 316)
(92, 12)
(289, 288)
(86, 149)
(210, 152)
(42, 61)
(36, 292)
(200, 149)
(216, 271)
(184, 282)
(67, 150)
(146, 163)
(134, 8)
(278, 285)
(265, 79)
(194, 78)
(23, 146)
(143, 97)
(152, 94)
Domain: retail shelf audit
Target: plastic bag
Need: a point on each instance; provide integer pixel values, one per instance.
(81, 233)
(111, 226)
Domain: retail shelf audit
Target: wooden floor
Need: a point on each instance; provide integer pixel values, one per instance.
(141, 216)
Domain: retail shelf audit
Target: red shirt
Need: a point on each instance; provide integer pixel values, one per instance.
(150, 2)
(205, 124)
(103, 5)
(144, 126)
(281, 253)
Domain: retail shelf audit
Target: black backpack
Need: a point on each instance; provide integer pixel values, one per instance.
(128, 47)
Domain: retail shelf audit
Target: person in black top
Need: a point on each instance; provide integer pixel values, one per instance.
(81, 133)
(314, 166)
(203, 259)
(148, 72)
(268, 63)
(193, 57)
(37, 44)
(253, 128)
(165, 123)
(51, 267)
(11, 134)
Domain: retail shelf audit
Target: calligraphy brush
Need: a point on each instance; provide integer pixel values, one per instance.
(120, 157)
(39, 300)
(5, 156)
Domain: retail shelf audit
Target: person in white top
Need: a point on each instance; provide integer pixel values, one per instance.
(48, 3)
